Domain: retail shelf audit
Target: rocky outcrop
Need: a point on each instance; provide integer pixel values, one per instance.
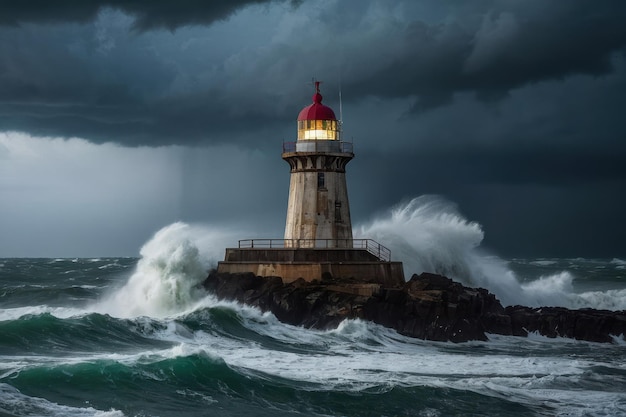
(583, 324)
(428, 306)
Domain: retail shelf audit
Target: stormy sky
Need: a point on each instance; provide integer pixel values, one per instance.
(118, 118)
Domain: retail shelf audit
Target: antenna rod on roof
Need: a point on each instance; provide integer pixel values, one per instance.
(340, 108)
(340, 105)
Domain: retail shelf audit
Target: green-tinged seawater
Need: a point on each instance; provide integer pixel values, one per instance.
(72, 343)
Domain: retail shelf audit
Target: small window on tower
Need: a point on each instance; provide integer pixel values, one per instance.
(338, 212)
(320, 180)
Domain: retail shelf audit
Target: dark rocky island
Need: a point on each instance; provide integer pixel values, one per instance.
(428, 306)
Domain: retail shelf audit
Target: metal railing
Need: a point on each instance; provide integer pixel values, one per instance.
(318, 146)
(371, 246)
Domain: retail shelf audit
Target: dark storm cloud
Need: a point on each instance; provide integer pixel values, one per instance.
(499, 47)
(148, 14)
(101, 82)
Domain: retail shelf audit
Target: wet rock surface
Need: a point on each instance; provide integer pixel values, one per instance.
(428, 306)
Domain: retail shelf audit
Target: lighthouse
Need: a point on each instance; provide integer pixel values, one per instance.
(318, 211)
(318, 245)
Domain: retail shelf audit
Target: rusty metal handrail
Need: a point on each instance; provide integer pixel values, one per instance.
(373, 247)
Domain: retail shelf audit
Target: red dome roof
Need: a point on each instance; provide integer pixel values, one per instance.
(317, 111)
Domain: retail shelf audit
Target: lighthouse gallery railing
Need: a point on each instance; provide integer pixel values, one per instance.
(371, 246)
(318, 146)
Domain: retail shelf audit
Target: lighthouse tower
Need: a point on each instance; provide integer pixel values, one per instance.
(318, 212)
(318, 243)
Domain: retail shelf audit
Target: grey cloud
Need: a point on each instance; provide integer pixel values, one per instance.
(103, 83)
(504, 46)
(148, 14)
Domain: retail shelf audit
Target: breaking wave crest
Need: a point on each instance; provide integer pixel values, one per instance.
(605, 300)
(428, 234)
(167, 278)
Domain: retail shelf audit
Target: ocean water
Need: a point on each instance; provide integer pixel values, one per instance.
(139, 337)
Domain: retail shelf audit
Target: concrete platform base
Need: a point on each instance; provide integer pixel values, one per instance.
(312, 264)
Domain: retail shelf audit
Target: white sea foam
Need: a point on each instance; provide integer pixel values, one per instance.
(7, 314)
(606, 300)
(359, 355)
(168, 276)
(543, 262)
(353, 328)
(617, 261)
(13, 402)
(341, 361)
(428, 234)
(111, 265)
(550, 290)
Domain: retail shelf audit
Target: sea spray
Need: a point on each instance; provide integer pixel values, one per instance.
(556, 289)
(428, 234)
(167, 278)
(620, 263)
(605, 300)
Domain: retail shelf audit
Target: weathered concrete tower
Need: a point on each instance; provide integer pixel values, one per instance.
(318, 243)
(318, 211)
